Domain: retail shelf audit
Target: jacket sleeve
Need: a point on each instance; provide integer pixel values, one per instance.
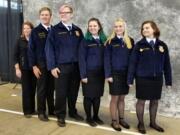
(82, 59)
(167, 68)
(132, 65)
(107, 60)
(50, 51)
(32, 49)
(16, 53)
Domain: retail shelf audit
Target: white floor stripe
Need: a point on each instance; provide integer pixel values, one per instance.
(77, 123)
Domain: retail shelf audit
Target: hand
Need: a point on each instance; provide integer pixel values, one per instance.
(55, 72)
(84, 80)
(18, 73)
(130, 85)
(110, 79)
(36, 72)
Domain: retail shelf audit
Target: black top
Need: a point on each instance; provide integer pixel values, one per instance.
(20, 53)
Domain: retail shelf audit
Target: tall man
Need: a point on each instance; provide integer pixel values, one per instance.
(45, 81)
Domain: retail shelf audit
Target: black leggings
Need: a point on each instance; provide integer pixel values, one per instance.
(91, 102)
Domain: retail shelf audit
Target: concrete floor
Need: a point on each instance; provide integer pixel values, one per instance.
(12, 122)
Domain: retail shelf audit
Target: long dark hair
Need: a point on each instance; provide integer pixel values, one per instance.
(101, 34)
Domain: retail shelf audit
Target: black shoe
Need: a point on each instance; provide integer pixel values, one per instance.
(35, 113)
(91, 122)
(27, 115)
(124, 124)
(61, 122)
(43, 117)
(115, 125)
(76, 117)
(52, 114)
(141, 128)
(98, 120)
(156, 127)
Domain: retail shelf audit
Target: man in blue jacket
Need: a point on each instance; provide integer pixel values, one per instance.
(62, 60)
(37, 59)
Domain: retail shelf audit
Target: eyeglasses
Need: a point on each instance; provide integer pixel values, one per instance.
(65, 12)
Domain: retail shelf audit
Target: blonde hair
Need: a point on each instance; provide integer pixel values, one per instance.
(66, 6)
(126, 38)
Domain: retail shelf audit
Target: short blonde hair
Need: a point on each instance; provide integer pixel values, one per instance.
(66, 6)
(126, 38)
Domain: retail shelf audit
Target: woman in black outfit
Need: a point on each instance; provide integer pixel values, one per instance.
(24, 72)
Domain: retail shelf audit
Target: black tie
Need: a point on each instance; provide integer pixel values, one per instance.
(151, 43)
(70, 28)
(48, 29)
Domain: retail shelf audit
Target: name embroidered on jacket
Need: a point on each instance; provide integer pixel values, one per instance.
(143, 49)
(41, 35)
(92, 45)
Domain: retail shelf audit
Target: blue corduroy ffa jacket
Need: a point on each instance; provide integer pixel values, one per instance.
(36, 52)
(148, 61)
(91, 56)
(62, 45)
(116, 56)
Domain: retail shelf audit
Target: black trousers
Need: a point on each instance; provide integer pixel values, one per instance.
(28, 82)
(67, 87)
(45, 92)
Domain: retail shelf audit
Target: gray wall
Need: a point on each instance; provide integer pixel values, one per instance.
(166, 13)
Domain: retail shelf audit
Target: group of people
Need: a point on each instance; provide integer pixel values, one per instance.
(59, 57)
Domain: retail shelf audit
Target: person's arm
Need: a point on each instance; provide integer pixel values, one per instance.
(132, 65)
(108, 62)
(82, 61)
(167, 68)
(50, 54)
(17, 60)
(32, 54)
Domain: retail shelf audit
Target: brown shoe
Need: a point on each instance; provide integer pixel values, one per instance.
(115, 125)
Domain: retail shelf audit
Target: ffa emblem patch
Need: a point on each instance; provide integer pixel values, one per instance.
(117, 45)
(77, 33)
(161, 49)
(141, 50)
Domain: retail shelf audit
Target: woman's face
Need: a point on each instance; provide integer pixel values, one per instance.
(148, 31)
(119, 28)
(27, 30)
(93, 28)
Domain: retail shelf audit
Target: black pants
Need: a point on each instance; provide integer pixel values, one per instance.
(90, 102)
(45, 92)
(28, 81)
(67, 87)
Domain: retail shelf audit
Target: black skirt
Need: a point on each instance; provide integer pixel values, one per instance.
(95, 85)
(119, 85)
(149, 88)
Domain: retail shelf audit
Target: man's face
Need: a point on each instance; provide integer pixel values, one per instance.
(45, 17)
